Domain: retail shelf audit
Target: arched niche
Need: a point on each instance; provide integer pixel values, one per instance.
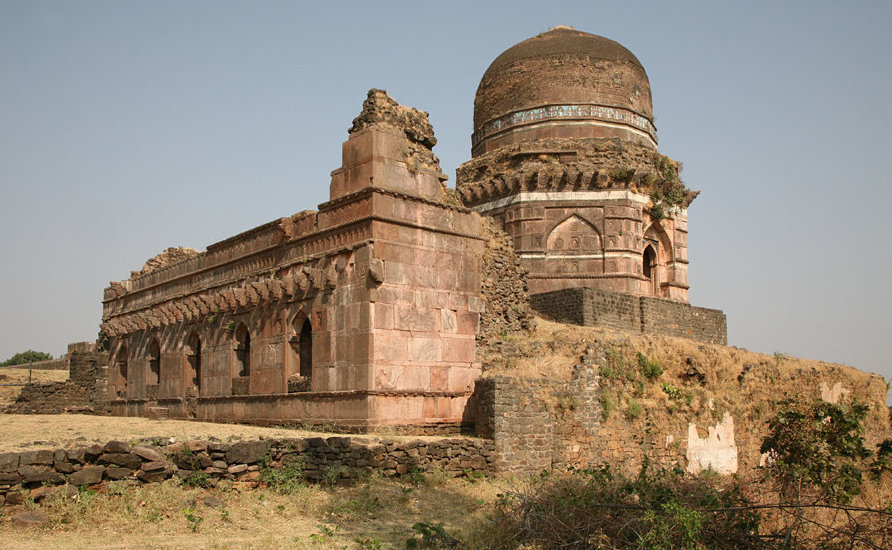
(573, 236)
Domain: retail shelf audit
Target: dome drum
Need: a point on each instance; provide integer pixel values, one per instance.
(564, 121)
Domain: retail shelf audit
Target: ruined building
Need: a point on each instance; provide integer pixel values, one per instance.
(365, 312)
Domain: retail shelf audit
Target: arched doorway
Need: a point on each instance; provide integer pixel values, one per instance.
(193, 361)
(121, 368)
(154, 374)
(241, 384)
(656, 259)
(301, 366)
(306, 349)
(243, 351)
(651, 268)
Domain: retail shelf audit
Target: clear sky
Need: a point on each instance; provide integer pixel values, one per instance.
(129, 127)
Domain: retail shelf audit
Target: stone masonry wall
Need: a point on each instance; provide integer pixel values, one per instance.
(544, 424)
(645, 314)
(50, 398)
(684, 321)
(35, 474)
(84, 391)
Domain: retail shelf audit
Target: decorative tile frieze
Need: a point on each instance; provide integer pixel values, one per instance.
(565, 112)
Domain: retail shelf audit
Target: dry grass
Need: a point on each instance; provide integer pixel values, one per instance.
(376, 513)
(19, 375)
(20, 432)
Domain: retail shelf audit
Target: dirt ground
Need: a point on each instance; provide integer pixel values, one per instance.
(21, 432)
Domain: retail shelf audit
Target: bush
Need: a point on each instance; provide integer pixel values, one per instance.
(285, 478)
(25, 357)
(596, 509)
(649, 367)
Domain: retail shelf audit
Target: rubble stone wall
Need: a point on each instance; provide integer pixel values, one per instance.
(545, 424)
(50, 398)
(84, 391)
(504, 287)
(35, 473)
(646, 314)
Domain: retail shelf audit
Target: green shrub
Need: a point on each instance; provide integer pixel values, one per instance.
(285, 478)
(197, 478)
(676, 394)
(634, 409)
(649, 367)
(595, 508)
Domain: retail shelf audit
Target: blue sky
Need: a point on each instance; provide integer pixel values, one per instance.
(128, 127)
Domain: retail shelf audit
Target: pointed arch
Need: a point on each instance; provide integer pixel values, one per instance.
(655, 258)
(305, 339)
(658, 237)
(300, 368)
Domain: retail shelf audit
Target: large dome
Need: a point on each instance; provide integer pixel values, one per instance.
(563, 83)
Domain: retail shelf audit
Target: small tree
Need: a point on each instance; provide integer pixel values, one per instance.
(815, 458)
(26, 357)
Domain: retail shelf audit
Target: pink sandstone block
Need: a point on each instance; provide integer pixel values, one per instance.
(458, 350)
(432, 298)
(383, 315)
(416, 319)
(439, 378)
(390, 345)
(424, 349)
(462, 378)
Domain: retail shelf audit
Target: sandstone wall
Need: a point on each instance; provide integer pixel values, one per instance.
(34, 473)
(645, 314)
